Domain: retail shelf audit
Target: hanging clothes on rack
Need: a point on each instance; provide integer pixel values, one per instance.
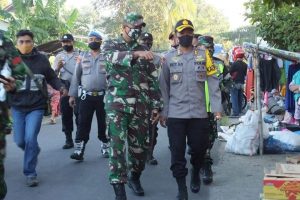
(289, 97)
(249, 84)
(283, 77)
(270, 74)
(249, 88)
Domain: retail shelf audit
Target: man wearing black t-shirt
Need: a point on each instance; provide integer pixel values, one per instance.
(238, 73)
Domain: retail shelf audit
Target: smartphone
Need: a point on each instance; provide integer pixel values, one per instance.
(4, 78)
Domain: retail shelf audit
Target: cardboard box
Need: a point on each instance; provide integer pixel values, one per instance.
(281, 188)
(293, 159)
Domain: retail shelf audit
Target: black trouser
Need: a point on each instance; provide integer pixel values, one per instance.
(87, 108)
(196, 133)
(67, 115)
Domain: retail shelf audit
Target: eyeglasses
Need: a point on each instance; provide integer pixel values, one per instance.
(25, 41)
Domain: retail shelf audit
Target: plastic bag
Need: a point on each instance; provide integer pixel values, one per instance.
(245, 139)
(287, 137)
(281, 142)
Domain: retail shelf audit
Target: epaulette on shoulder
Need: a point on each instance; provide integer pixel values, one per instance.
(171, 51)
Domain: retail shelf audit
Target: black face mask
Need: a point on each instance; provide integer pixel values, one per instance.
(68, 48)
(94, 45)
(186, 40)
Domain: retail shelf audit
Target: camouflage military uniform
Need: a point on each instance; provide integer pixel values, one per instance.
(132, 87)
(213, 135)
(8, 54)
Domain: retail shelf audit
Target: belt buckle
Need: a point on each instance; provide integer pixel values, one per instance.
(94, 94)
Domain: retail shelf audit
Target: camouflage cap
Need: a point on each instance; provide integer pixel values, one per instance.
(207, 41)
(134, 19)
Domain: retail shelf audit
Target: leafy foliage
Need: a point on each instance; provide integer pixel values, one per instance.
(41, 17)
(161, 16)
(277, 26)
(278, 3)
(240, 35)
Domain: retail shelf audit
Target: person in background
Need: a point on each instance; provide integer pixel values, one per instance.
(64, 66)
(295, 88)
(207, 43)
(91, 75)
(54, 103)
(146, 39)
(29, 102)
(173, 40)
(238, 72)
(195, 39)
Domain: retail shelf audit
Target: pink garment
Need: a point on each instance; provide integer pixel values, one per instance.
(55, 100)
(266, 98)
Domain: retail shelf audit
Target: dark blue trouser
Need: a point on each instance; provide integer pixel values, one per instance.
(236, 100)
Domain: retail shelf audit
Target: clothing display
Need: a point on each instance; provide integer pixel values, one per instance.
(269, 74)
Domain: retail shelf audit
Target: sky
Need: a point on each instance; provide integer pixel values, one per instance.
(232, 9)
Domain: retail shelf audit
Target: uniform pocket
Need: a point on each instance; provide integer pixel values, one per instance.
(176, 74)
(200, 73)
(102, 69)
(86, 70)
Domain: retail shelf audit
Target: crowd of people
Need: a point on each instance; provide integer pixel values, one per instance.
(130, 89)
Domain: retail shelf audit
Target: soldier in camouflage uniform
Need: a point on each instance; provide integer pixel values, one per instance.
(132, 87)
(146, 39)
(8, 55)
(206, 42)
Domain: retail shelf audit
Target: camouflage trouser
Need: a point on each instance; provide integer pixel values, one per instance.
(132, 128)
(212, 137)
(5, 127)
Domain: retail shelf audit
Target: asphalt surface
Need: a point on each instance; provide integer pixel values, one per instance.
(235, 177)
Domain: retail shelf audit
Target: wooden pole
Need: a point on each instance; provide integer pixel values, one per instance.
(287, 55)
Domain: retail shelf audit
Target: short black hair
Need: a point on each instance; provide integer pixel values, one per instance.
(196, 35)
(25, 32)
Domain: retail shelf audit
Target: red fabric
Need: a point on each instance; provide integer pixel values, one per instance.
(16, 60)
(249, 84)
(55, 101)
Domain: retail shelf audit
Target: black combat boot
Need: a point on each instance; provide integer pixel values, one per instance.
(195, 180)
(207, 174)
(120, 192)
(182, 189)
(79, 151)
(152, 161)
(69, 141)
(135, 184)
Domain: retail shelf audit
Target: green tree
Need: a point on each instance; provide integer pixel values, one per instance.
(277, 26)
(278, 3)
(41, 17)
(240, 35)
(161, 16)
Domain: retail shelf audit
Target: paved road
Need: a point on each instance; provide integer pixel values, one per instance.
(236, 177)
